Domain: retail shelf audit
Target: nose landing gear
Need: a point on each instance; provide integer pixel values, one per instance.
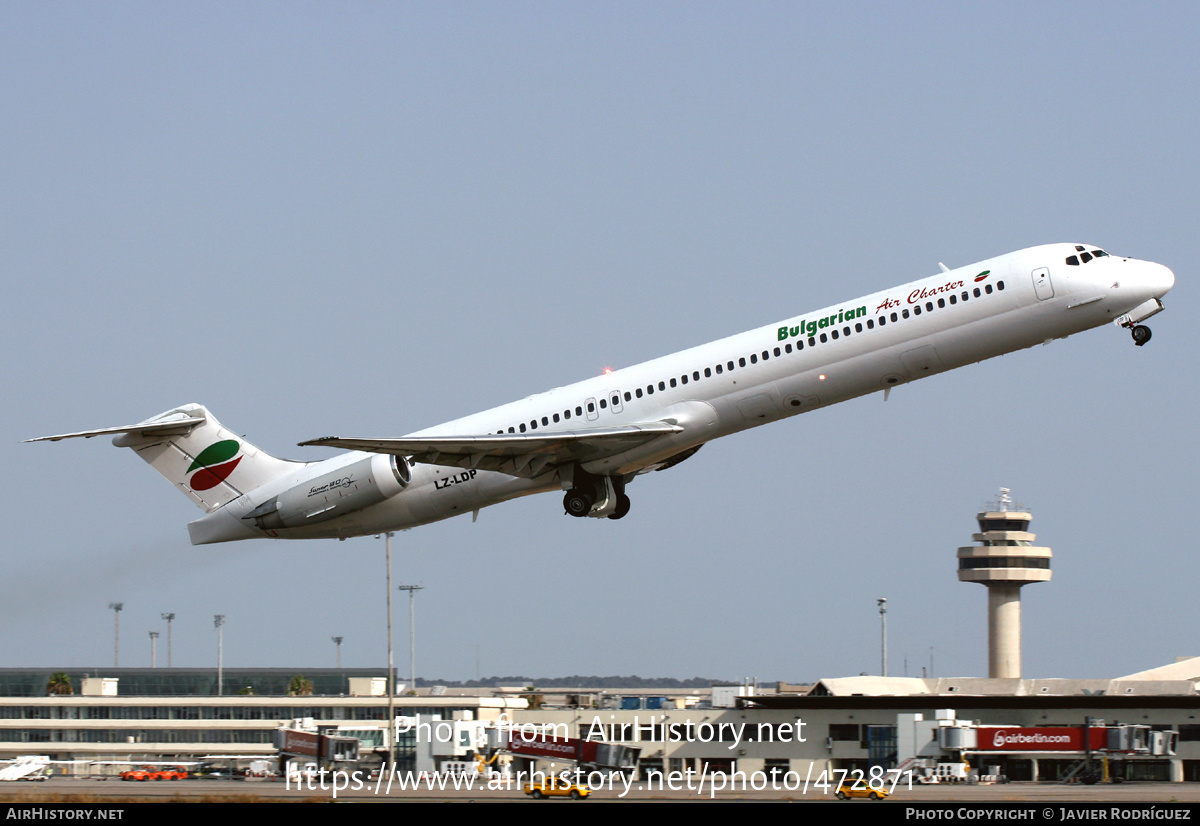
(1132, 321)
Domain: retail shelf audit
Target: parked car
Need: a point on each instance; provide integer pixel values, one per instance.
(140, 773)
(557, 787)
(857, 787)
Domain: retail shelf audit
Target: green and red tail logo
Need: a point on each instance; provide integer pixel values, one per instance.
(215, 463)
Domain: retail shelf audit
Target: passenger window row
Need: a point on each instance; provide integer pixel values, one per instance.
(754, 358)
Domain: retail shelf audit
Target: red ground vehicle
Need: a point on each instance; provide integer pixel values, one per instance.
(152, 773)
(141, 773)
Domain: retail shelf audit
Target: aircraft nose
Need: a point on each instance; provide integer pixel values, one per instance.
(1149, 279)
(1161, 280)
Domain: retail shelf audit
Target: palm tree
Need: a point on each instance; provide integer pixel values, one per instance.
(300, 686)
(534, 697)
(60, 683)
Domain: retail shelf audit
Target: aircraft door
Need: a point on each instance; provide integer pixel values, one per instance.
(1042, 285)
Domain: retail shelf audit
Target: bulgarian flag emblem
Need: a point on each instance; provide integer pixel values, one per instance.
(214, 464)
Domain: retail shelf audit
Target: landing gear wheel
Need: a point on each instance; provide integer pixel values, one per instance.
(623, 505)
(577, 503)
(1141, 334)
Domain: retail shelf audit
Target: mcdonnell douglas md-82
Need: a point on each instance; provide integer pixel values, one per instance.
(590, 439)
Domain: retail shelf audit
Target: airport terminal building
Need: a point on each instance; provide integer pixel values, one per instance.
(165, 715)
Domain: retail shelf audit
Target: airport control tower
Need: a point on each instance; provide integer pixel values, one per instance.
(1004, 561)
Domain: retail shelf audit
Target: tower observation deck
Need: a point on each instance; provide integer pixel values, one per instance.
(1004, 561)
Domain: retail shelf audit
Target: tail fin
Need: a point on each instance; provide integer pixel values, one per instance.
(188, 446)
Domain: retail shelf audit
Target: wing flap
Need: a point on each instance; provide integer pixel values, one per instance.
(518, 454)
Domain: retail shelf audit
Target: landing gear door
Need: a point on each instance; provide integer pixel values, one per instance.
(1042, 286)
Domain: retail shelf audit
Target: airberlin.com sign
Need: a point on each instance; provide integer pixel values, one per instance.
(1037, 739)
(547, 745)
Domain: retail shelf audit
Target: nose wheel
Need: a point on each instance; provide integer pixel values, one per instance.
(1141, 334)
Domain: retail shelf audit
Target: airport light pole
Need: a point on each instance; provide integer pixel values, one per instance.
(219, 623)
(117, 608)
(154, 649)
(169, 618)
(338, 642)
(882, 602)
(391, 672)
(412, 635)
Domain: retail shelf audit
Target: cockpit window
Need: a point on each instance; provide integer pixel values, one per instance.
(1086, 255)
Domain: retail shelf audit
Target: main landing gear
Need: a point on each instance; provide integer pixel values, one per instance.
(1141, 334)
(577, 502)
(596, 496)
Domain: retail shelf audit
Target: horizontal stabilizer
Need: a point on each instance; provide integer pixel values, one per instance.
(175, 426)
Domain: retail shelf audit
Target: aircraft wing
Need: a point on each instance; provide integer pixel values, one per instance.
(518, 454)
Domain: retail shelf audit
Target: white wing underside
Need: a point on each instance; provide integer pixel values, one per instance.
(525, 455)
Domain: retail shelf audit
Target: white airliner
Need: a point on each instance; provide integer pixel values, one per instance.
(592, 438)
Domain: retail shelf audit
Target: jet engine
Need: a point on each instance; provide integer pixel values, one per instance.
(334, 493)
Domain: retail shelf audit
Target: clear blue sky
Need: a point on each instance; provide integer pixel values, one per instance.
(370, 218)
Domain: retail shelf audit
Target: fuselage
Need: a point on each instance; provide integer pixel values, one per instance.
(791, 366)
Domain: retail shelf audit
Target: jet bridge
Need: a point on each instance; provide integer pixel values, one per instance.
(948, 749)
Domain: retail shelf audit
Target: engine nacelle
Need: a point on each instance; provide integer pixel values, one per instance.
(335, 493)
